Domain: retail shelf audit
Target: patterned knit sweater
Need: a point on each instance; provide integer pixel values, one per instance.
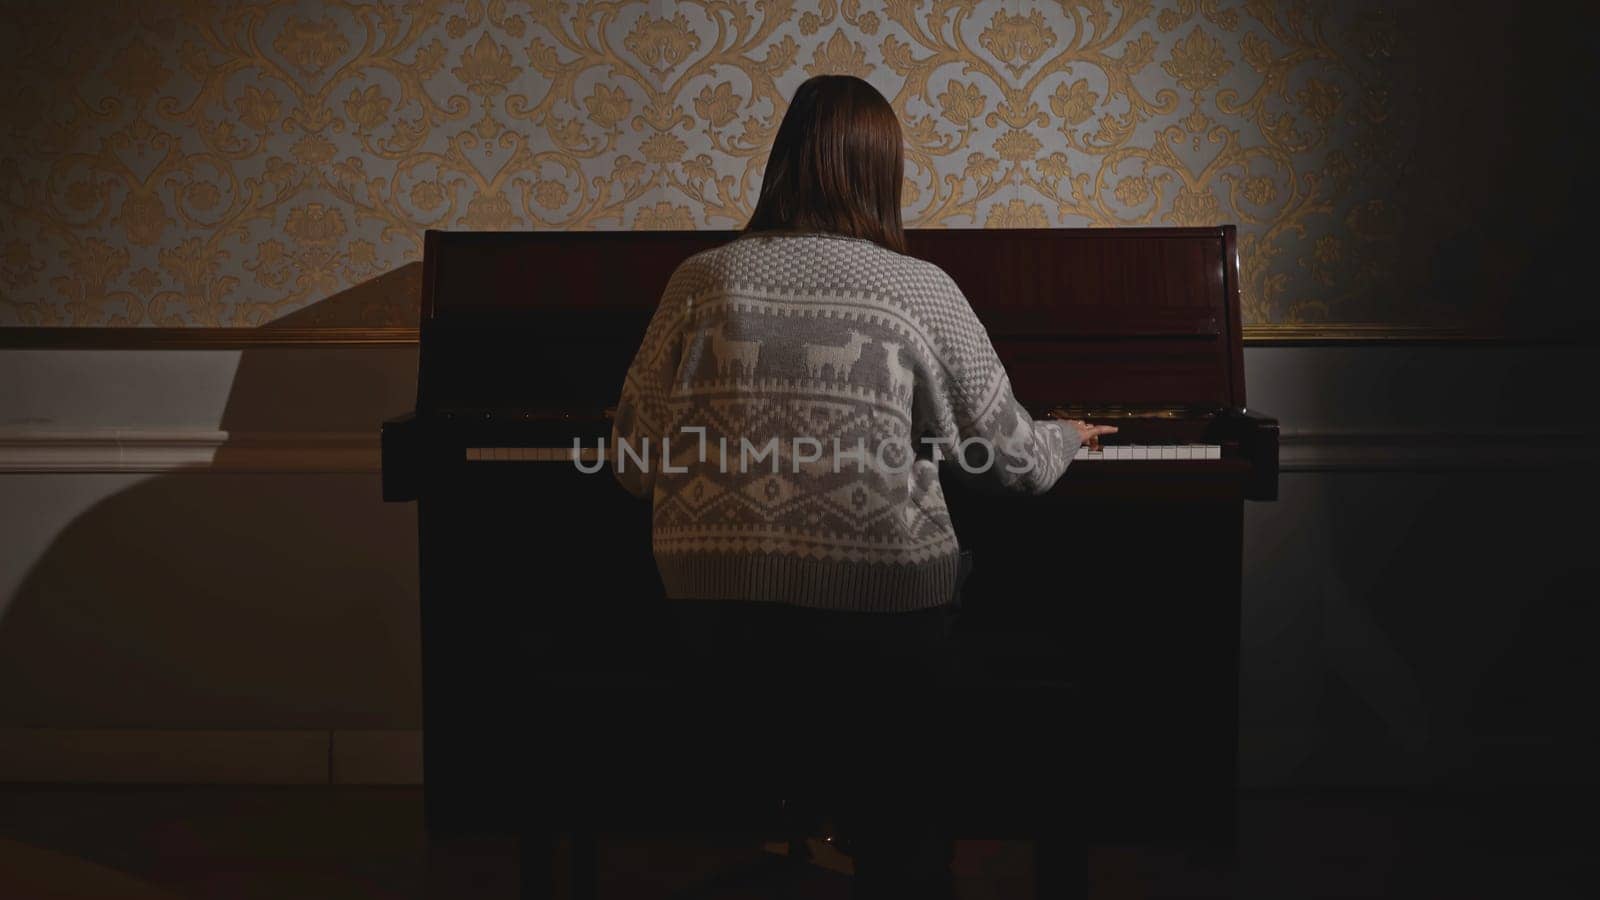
(805, 388)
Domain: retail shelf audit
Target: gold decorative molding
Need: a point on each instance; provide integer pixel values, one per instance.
(1301, 333)
(1350, 333)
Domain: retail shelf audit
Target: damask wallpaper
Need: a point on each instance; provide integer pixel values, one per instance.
(225, 163)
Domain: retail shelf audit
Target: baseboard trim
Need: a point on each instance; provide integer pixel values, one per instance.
(173, 756)
(393, 757)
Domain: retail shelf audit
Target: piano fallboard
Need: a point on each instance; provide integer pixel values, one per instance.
(1097, 315)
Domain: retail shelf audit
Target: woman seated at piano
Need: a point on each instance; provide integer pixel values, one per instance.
(788, 413)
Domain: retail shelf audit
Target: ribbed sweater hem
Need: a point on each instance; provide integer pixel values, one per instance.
(802, 581)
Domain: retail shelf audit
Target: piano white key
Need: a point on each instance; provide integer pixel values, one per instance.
(1213, 452)
(1170, 451)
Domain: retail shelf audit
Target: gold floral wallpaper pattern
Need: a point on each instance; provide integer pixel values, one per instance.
(225, 163)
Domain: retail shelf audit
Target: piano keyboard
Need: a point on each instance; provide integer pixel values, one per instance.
(529, 454)
(1108, 453)
(1120, 452)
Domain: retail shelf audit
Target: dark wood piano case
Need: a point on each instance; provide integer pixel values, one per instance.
(1124, 580)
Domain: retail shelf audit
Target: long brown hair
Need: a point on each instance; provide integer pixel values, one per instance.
(836, 165)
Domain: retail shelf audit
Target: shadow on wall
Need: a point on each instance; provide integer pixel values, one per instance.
(249, 597)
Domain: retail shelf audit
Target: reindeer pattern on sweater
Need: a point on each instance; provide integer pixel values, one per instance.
(806, 342)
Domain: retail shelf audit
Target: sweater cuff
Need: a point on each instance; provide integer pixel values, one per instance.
(1069, 442)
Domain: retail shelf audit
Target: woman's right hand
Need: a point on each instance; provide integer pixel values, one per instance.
(1089, 435)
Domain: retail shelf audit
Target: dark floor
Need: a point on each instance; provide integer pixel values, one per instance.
(306, 843)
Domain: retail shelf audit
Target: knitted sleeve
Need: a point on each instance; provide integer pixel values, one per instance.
(973, 408)
(642, 411)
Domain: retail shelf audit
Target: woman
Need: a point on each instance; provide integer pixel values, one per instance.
(787, 414)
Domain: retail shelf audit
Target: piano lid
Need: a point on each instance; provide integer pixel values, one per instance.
(1128, 316)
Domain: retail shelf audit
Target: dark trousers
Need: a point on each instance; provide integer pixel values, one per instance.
(841, 700)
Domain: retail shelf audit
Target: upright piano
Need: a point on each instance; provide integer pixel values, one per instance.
(1124, 579)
